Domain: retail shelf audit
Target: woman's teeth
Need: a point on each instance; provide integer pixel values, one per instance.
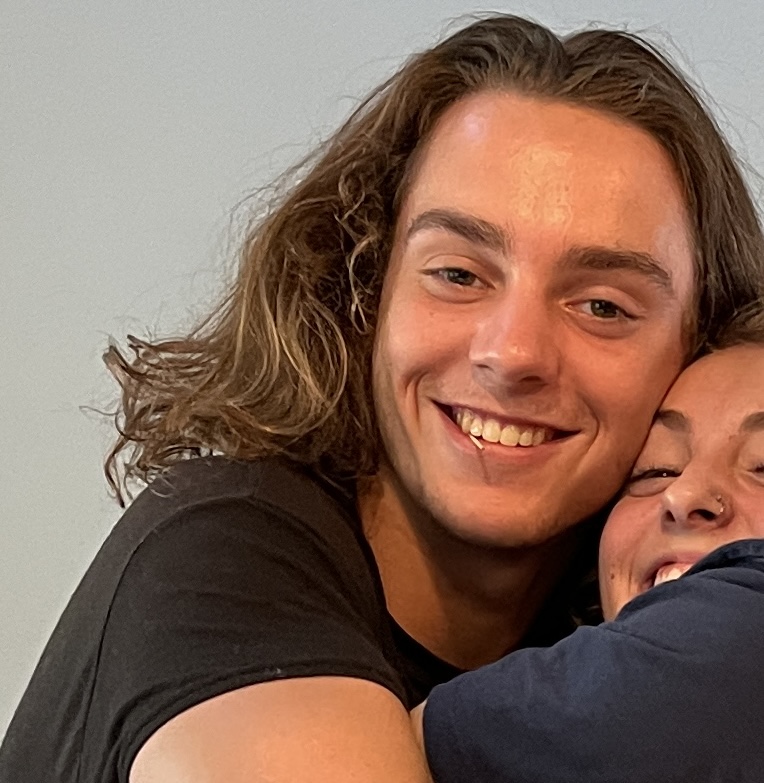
(670, 572)
(491, 431)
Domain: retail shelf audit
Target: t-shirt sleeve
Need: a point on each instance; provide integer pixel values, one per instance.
(224, 594)
(656, 695)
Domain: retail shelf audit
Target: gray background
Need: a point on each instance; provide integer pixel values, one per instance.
(129, 132)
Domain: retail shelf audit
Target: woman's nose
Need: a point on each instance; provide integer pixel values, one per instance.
(694, 501)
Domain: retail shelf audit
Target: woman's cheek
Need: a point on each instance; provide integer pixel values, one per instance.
(620, 542)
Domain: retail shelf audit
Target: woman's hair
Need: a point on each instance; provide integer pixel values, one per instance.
(745, 328)
(282, 366)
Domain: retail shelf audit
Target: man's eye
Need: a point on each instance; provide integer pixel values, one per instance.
(602, 308)
(457, 276)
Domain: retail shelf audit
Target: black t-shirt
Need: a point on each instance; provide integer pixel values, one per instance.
(671, 690)
(220, 575)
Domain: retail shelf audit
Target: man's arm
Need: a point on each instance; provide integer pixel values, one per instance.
(312, 729)
(417, 724)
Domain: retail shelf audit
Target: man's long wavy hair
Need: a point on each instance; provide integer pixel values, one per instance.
(282, 366)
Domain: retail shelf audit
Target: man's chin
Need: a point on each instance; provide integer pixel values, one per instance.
(524, 528)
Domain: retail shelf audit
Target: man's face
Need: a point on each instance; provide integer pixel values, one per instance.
(698, 483)
(536, 291)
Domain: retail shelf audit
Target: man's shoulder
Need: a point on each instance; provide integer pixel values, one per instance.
(206, 502)
(274, 483)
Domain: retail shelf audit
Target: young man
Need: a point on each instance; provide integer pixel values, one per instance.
(517, 235)
(671, 687)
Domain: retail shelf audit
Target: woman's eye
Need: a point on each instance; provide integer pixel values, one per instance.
(650, 481)
(651, 473)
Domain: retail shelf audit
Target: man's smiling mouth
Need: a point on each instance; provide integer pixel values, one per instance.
(492, 429)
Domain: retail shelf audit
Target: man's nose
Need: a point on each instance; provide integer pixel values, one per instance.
(695, 500)
(515, 345)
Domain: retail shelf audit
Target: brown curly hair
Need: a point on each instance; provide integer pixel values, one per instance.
(282, 366)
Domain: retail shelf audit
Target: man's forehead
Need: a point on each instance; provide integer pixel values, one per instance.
(544, 169)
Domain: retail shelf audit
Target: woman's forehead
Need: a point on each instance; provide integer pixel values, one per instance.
(721, 385)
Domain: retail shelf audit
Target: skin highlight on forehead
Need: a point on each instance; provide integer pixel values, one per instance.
(549, 198)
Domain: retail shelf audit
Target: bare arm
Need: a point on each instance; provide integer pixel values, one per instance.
(417, 724)
(315, 729)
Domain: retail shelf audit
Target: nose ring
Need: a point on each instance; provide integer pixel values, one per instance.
(720, 500)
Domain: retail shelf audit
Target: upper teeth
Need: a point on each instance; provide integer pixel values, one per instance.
(670, 572)
(491, 431)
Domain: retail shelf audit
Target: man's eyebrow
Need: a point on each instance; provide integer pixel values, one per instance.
(673, 420)
(754, 422)
(605, 258)
(595, 257)
(471, 228)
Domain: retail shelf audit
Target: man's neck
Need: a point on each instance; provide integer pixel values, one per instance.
(467, 604)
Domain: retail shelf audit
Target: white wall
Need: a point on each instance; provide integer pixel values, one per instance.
(128, 132)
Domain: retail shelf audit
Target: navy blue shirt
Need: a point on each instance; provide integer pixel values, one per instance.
(671, 690)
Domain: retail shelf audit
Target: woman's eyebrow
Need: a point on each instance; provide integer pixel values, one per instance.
(673, 420)
(754, 422)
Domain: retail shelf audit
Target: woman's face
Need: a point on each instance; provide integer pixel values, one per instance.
(699, 481)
